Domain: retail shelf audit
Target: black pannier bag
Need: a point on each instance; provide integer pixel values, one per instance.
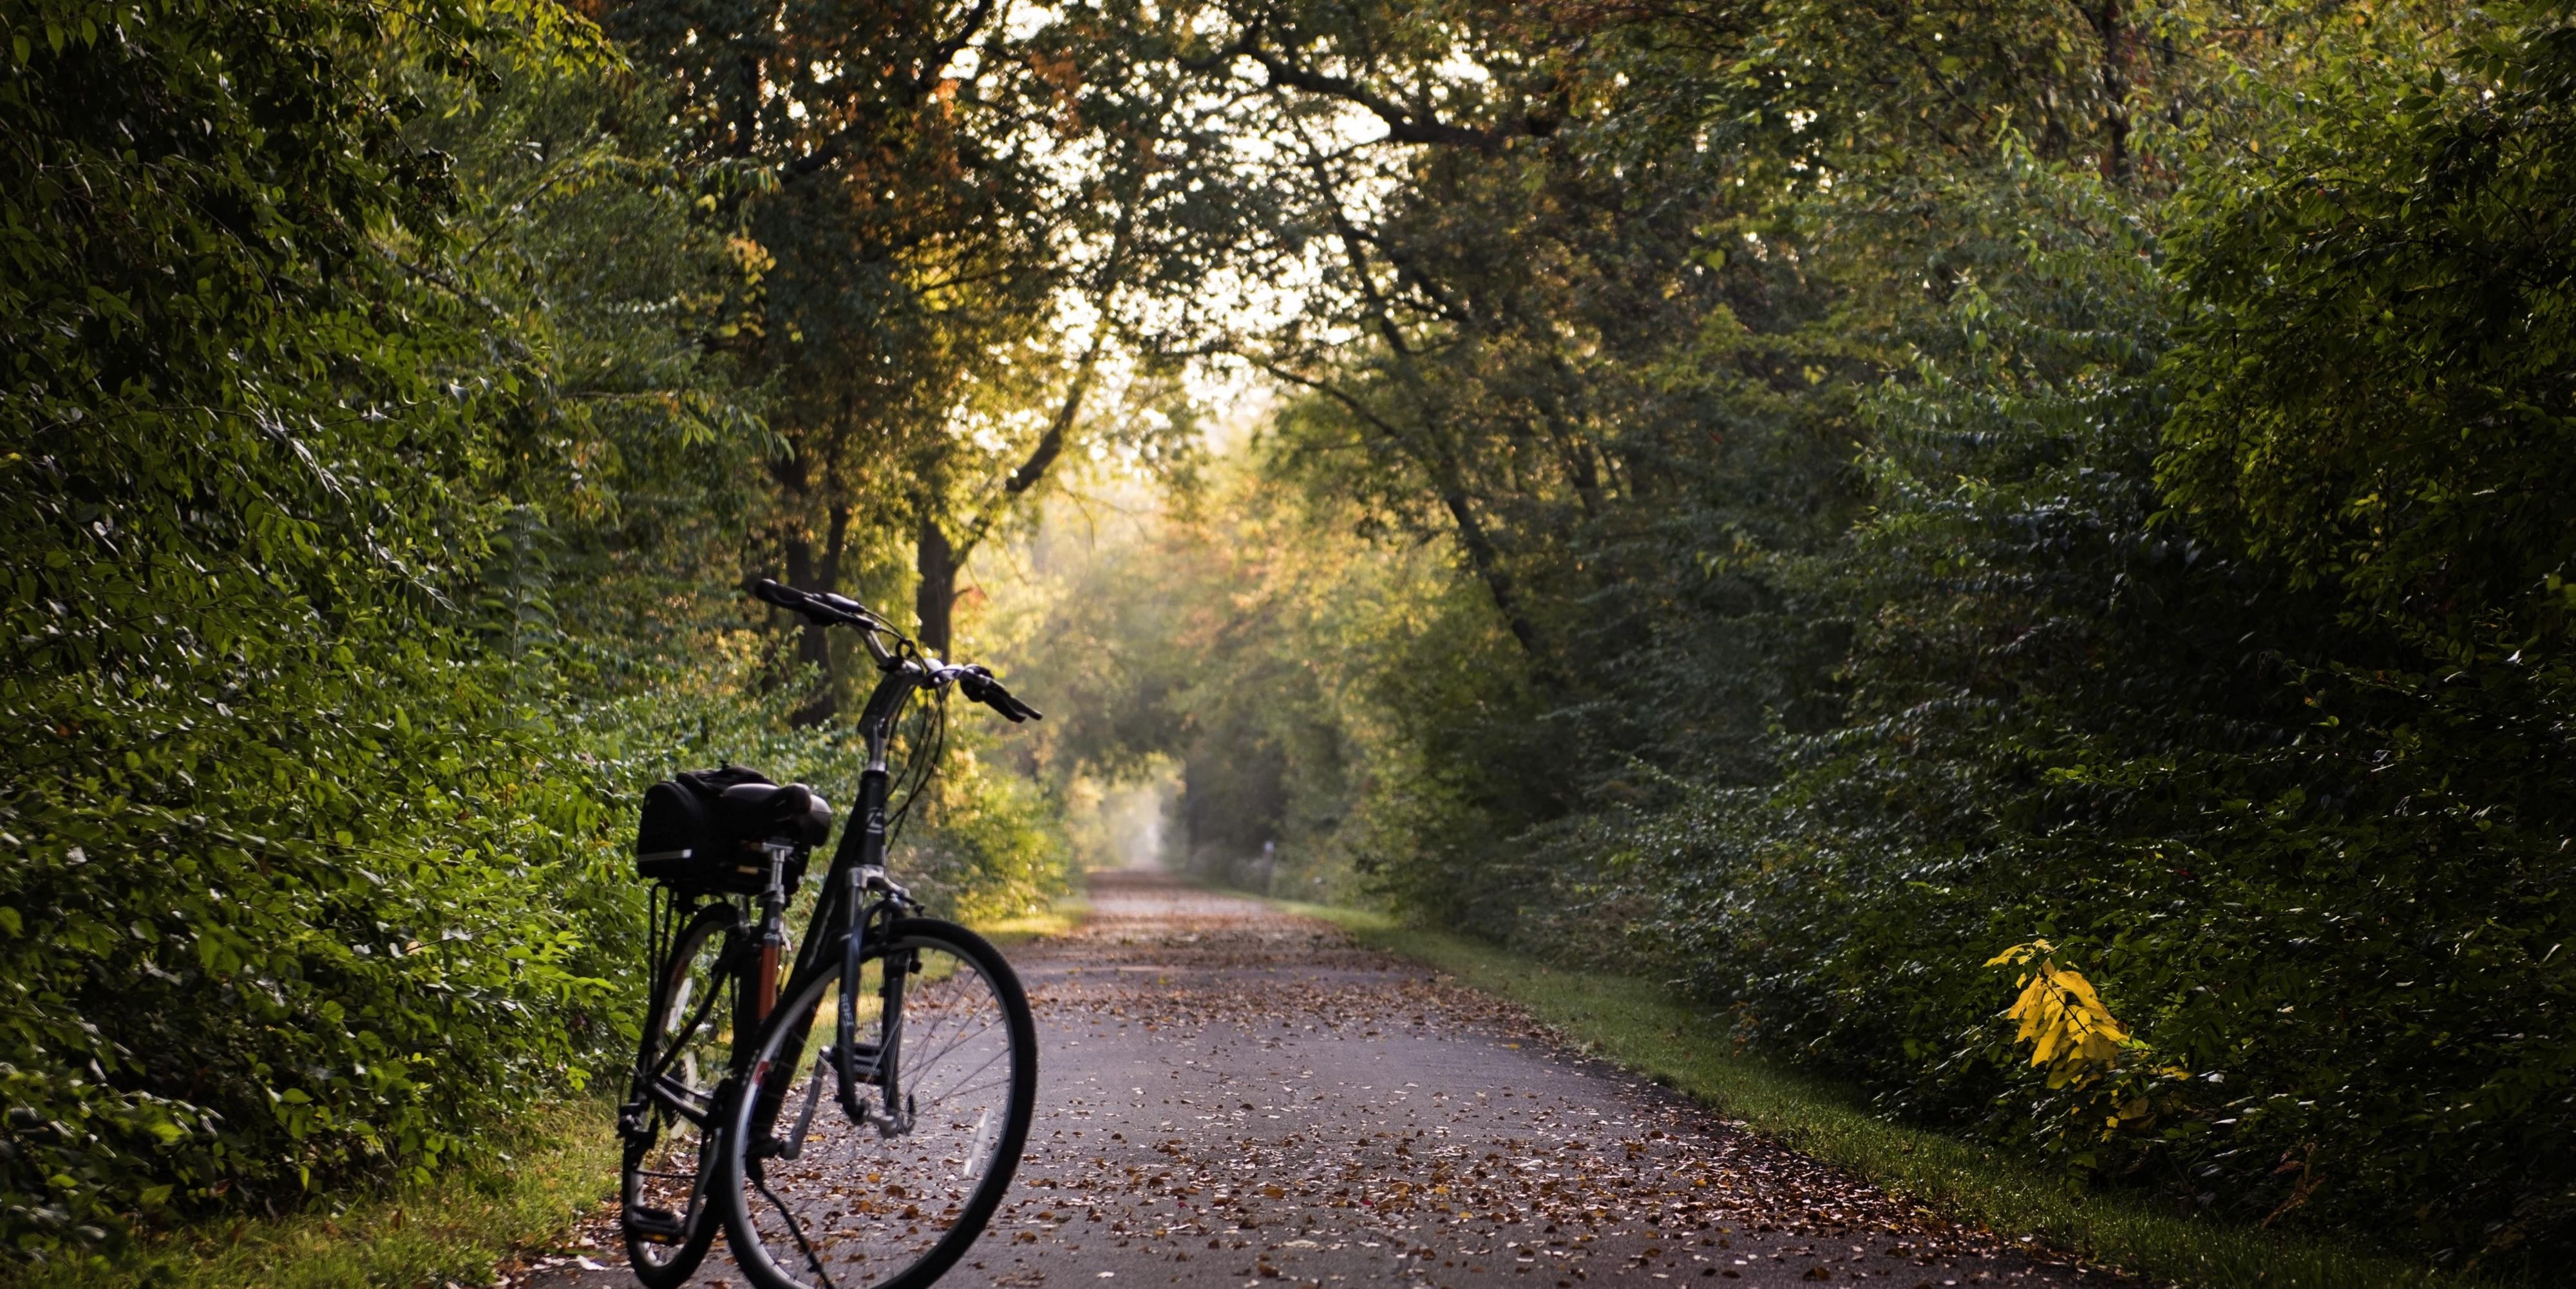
(703, 830)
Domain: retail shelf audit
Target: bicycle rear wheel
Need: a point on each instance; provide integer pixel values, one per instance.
(671, 1104)
(816, 1200)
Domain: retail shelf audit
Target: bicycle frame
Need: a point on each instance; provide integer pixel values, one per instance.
(858, 860)
(843, 913)
(856, 911)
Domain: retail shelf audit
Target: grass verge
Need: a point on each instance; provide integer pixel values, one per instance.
(1059, 919)
(1644, 1027)
(455, 1227)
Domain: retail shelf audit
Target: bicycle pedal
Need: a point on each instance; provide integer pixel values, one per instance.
(862, 1055)
(655, 1225)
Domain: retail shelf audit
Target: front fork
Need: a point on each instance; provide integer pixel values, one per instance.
(856, 1063)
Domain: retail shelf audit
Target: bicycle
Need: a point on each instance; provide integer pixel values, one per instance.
(932, 1060)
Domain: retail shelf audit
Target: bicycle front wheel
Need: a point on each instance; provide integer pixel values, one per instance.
(946, 1055)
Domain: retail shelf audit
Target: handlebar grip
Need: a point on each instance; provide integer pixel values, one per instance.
(1001, 700)
(979, 686)
(823, 609)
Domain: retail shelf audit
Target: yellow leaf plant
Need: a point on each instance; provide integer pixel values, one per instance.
(2074, 1036)
(2070, 1032)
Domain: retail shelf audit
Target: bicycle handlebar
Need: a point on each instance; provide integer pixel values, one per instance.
(826, 609)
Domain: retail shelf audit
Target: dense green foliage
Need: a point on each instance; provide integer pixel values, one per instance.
(375, 506)
(2236, 670)
(260, 920)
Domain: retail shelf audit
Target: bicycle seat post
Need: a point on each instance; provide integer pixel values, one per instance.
(773, 929)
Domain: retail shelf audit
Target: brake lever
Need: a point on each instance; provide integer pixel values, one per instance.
(816, 609)
(847, 605)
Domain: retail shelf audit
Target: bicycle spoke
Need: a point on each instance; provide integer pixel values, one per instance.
(796, 1229)
(979, 1089)
(989, 1062)
(935, 1057)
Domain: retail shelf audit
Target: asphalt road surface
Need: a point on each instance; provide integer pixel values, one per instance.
(1229, 1096)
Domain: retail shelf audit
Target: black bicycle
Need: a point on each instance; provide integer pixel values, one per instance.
(858, 1124)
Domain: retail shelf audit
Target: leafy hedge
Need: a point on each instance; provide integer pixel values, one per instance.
(373, 511)
(2215, 629)
(298, 879)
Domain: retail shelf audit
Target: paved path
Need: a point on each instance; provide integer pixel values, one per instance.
(1232, 1097)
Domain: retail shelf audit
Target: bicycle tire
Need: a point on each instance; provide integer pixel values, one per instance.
(971, 1066)
(687, 1037)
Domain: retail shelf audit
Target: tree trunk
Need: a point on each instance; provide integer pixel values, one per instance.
(2112, 24)
(1488, 566)
(936, 601)
(813, 645)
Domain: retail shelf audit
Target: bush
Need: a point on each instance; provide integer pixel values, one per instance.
(305, 879)
(2236, 671)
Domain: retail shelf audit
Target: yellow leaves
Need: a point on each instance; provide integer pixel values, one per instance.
(2071, 1033)
(2074, 1036)
(751, 258)
(2069, 1029)
(2019, 954)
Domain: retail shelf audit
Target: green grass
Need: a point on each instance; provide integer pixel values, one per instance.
(1059, 919)
(553, 1168)
(1642, 1026)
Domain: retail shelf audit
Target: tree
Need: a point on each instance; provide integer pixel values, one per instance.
(946, 198)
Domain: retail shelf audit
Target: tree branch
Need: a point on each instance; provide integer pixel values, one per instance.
(1403, 124)
(922, 83)
(948, 49)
